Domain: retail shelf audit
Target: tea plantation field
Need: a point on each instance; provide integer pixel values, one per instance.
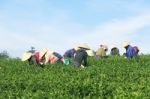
(110, 78)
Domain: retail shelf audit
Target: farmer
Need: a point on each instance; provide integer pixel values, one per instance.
(101, 52)
(70, 53)
(32, 58)
(130, 51)
(80, 58)
(136, 50)
(35, 57)
(52, 57)
(114, 50)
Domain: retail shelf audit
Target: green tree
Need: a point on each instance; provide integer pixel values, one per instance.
(4, 54)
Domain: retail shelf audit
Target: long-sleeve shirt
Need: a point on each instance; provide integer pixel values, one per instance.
(37, 55)
(130, 52)
(80, 58)
(101, 52)
(50, 58)
(69, 53)
(53, 58)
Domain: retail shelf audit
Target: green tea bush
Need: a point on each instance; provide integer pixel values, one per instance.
(107, 78)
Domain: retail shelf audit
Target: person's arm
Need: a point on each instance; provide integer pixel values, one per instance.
(47, 59)
(66, 54)
(85, 60)
(72, 53)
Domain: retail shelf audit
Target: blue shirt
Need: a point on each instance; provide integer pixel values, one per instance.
(69, 53)
(130, 52)
(57, 55)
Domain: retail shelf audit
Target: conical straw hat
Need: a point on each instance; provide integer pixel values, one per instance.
(112, 46)
(43, 51)
(49, 52)
(125, 43)
(105, 47)
(85, 46)
(76, 48)
(90, 52)
(26, 56)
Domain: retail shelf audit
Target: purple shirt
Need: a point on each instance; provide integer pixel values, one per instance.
(69, 53)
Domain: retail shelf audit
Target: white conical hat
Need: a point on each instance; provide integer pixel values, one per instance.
(105, 47)
(43, 51)
(49, 52)
(90, 52)
(125, 43)
(84, 45)
(112, 46)
(26, 56)
(76, 48)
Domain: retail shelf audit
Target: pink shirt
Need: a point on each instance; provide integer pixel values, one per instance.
(50, 58)
(37, 55)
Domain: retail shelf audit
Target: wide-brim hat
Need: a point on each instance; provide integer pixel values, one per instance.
(49, 52)
(125, 44)
(113, 46)
(43, 52)
(84, 46)
(76, 48)
(90, 52)
(105, 47)
(26, 56)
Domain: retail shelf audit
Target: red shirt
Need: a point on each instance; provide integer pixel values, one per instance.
(37, 55)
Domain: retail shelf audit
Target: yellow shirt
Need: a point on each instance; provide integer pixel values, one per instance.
(101, 52)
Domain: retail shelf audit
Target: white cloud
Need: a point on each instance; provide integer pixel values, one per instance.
(116, 31)
(123, 27)
(60, 33)
(54, 37)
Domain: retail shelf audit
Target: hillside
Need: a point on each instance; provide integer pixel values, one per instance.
(113, 77)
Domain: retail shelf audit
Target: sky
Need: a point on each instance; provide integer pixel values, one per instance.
(63, 24)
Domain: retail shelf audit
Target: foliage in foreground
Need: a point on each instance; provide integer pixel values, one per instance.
(114, 77)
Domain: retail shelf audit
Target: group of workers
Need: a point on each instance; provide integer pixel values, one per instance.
(78, 55)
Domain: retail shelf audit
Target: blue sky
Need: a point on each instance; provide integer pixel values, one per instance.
(63, 24)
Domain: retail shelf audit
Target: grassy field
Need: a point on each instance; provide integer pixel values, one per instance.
(114, 77)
